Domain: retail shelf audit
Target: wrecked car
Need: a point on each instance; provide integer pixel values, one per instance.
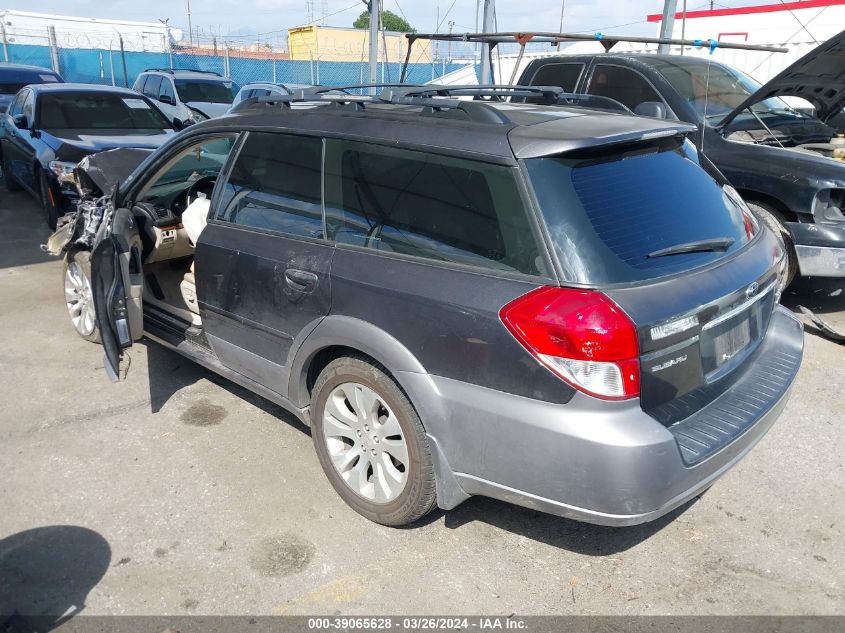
(437, 288)
(787, 164)
(50, 127)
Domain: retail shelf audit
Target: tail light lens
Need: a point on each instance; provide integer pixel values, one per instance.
(581, 336)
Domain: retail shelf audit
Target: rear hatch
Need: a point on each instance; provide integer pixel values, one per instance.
(676, 250)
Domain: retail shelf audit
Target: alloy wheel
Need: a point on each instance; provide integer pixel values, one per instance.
(79, 299)
(365, 442)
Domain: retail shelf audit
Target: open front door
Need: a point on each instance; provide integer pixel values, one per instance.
(118, 283)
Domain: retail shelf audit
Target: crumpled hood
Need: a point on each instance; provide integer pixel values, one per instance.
(818, 77)
(73, 145)
(210, 110)
(98, 174)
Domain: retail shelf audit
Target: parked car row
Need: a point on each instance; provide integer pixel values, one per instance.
(47, 126)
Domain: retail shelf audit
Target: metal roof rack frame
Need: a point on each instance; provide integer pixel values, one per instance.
(607, 41)
(431, 98)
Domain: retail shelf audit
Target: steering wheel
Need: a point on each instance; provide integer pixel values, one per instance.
(200, 185)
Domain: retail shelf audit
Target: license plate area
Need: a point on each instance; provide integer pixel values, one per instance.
(726, 341)
(730, 343)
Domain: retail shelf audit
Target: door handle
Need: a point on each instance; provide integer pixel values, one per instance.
(300, 280)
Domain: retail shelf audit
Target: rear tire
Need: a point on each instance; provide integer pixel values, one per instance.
(371, 442)
(78, 295)
(8, 179)
(48, 204)
(771, 218)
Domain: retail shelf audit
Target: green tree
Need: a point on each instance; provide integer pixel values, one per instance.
(391, 21)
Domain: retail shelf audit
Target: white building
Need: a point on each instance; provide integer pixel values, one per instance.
(22, 27)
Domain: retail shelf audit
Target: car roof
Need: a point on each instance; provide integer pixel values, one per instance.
(650, 59)
(502, 129)
(185, 73)
(77, 87)
(26, 67)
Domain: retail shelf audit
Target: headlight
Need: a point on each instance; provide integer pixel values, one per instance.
(196, 116)
(63, 171)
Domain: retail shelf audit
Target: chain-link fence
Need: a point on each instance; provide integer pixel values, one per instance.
(117, 59)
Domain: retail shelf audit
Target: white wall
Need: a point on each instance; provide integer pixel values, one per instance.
(75, 32)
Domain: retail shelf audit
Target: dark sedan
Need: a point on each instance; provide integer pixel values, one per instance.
(13, 77)
(51, 127)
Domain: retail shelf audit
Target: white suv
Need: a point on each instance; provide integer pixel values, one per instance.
(187, 96)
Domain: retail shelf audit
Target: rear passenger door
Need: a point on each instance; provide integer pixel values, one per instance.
(262, 262)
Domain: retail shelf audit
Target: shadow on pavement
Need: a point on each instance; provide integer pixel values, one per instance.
(24, 230)
(170, 372)
(46, 574)
(574, 536)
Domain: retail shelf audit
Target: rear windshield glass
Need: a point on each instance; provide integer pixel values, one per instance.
(12, 81)
(98, 110)
(612, 221)
(193, 90)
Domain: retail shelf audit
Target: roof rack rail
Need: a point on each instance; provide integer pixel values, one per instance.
(403, 91)
(176, 70)
(607, 41)
(433, 98)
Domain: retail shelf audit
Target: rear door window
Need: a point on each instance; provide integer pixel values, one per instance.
(564, 75)
(610, 216)
(152, 86)
(622, 84)
(275, 184)
(167, 89)
(425, 205)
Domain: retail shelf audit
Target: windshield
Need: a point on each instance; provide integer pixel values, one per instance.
(720, 89)
(98, 111)
(610, 218)
(205, 91)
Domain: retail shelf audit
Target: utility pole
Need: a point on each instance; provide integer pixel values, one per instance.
(190, 34)
(375, 19)
(667, 24)
(487, 26)
(560, 29)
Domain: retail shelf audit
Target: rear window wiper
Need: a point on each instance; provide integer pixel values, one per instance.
(700, 246)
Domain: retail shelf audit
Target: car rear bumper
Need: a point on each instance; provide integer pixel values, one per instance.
(602, 462)
(820, 249)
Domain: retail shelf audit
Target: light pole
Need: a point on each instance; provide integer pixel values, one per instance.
(449, 47)
(190, 35)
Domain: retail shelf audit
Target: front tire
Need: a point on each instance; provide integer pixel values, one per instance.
(79, 297)
(49, 204)
(371, 443)
(770, 217)
(8, 179)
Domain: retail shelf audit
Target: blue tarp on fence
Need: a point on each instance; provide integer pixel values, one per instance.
(100, 66)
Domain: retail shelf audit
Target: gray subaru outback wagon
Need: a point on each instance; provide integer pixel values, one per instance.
(551, 305)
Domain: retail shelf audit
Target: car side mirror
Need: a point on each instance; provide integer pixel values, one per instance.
(166, 99)
(20, 121)
(653, 109)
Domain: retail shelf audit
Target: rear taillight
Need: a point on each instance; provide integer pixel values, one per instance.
(580, 335)
(750, 225)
